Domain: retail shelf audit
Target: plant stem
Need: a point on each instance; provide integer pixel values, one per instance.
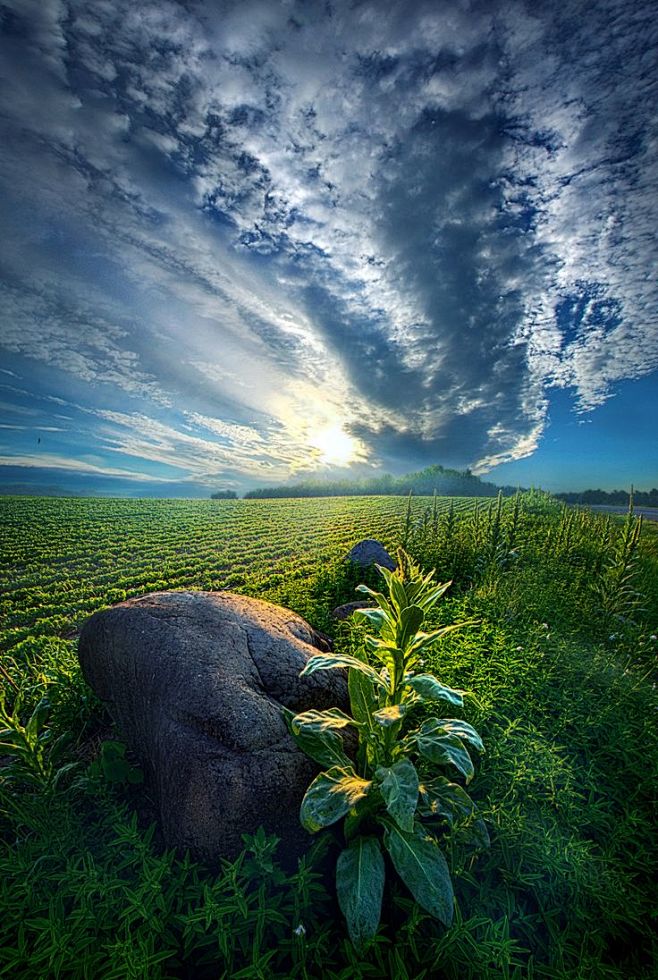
(8, 678)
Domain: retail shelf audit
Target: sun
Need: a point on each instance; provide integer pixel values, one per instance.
(335, 446)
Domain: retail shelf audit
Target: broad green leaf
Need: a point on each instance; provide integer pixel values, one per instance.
(360, 876)
(379, 598)
(390, 715)
(396, 590)
(387, 653)
(411, 620)
(441, 798)
(429, 599)
(426, 639)
(399, 788)
(321, 721)
(462, 729)
(386, 574)
(328, 661)
(330, 796)
(429, 689)
(398, 594)
(375, 616)
(413, 590)
(444, 749)
(420, 863)
(375, 643)
(362, 697)
(325, 748)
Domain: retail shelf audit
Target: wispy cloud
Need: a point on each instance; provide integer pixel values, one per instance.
(52, 462)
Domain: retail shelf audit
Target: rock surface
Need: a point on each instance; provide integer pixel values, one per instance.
(371, 552)
(195, 682)
(346, 610)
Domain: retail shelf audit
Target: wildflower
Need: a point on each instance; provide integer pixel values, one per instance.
(544, 626)
(300, 930)
(613, 636)
(519, 648)
(653, 637)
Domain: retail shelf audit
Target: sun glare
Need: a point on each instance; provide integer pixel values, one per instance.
(335, 446)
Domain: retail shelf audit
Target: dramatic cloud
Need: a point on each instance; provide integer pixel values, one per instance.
(230, 226)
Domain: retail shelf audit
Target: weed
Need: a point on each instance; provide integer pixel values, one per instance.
(382, 797)
(615, 588)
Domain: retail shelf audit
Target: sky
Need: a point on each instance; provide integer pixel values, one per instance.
(245, 242)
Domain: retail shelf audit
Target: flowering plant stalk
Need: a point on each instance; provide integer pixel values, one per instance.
(380, 795)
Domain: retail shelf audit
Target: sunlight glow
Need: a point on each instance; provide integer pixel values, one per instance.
(336, 448)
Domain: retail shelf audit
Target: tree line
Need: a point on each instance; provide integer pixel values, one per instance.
(446, 483)
(644, 498)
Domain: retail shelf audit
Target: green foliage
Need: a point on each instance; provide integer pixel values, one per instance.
(113, 766)
(566, 890)
(360, 875)
(94, 897)
(34, 754)
(434, 479)
(616, 588)
(380, 798)
(645, 498)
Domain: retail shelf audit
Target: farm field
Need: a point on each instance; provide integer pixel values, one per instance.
(559, 657)
(62, 559)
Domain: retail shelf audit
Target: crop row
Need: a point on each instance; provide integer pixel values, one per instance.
(62, 559)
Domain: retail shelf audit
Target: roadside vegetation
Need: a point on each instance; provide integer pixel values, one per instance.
(554, 864)
(620, 498)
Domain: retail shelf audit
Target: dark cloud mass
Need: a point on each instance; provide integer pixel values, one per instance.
(230, 225)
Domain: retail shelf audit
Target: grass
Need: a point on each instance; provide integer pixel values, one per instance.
(563, 694)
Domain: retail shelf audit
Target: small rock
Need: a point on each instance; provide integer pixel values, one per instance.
(371, 552)
(346, 610)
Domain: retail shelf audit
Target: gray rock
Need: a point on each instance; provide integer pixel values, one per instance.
(346, 610)
(195, 682)
(371, 552)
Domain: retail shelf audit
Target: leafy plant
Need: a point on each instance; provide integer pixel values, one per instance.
(381, 795)
(35, 754)
(113, 766)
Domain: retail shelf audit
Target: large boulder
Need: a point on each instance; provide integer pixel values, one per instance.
(371, 552)
(195, 682)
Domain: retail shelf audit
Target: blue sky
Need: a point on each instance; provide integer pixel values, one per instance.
(247, 242)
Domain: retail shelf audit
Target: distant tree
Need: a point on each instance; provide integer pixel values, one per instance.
(224, 495)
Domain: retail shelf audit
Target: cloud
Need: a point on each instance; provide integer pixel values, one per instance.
(79, 466)
(231, 225)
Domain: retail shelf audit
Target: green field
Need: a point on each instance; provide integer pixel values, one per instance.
(560, 657)
(63, 559)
